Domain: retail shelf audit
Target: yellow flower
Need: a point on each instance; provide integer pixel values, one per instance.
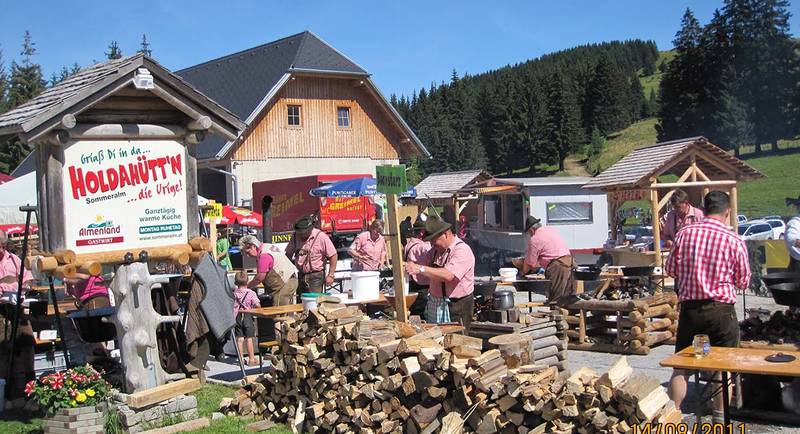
(89, 392)
(73, 403)
(81, 397)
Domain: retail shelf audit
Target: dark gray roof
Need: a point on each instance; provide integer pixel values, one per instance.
(444, 185)
(44, 111)
(240, 81)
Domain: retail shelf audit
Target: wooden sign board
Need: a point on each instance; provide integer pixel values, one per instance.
(124, 194)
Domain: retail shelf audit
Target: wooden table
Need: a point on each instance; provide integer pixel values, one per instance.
(734, 361)
(274, 311)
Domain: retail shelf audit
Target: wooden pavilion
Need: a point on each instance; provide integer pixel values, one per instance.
(648, 173)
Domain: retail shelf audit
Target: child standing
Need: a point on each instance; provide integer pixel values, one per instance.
(245, 299)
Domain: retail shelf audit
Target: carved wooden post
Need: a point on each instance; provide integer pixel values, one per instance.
(136, 322)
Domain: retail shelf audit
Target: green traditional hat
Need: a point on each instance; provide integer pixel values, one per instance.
(530, 221)
(304, 224)
(435, 227)
(419, 224)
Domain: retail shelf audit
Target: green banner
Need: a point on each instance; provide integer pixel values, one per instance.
(392, 179)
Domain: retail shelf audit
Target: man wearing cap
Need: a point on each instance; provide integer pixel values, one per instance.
(450, 269)
(792, 236)
(273, 269)
(308, 249)
(416, 247)
(547, 250)
(369, 249)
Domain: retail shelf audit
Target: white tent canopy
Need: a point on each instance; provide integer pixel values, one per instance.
(22, 191)
(14, 194)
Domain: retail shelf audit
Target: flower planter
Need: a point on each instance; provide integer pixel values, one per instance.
(78, 420)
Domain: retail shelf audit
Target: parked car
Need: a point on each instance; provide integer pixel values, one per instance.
(741, 218)
(777, 225)
(754, 230)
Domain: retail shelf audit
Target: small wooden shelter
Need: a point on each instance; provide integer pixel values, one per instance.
(645, 174)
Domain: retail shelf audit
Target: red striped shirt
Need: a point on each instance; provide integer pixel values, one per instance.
(709, 261)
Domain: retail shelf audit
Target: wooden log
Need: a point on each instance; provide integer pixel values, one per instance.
(457, 340)
(640, 333)
(180, 258)
(91, 268)
(68, 271)
(118, 256)
(200, 243)
(618, 374)
(545, 352)
(546, 342)
(609, 305)
(162, 393)
(652, 312)
(46, 263)
(514, 348)
(64, 256)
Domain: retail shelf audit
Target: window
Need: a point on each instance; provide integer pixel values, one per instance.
(343, 117)
(492, 213)
(293, 112)
(514, 219)
(569, 212)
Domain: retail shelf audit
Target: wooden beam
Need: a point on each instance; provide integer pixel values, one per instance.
(203, 123)
(734, 209)
(693, 184)
(127, 131)
(689, 172)
(189, 110)
(656, 225)
(702, 175)
(693, 168)
(68, 121)
(162, 393)
(396, 250)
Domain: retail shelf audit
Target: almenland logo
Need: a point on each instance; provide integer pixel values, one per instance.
(100, 232)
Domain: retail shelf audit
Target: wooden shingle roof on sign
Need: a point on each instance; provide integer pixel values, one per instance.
(635, 170)
(87, 87)
(444, 185)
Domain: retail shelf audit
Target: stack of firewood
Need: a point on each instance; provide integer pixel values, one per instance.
(782, 327)
(334, 372)
(622, 326)
(538, 337)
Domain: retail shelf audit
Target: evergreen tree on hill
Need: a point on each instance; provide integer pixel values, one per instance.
(733, 125)
(563, 127)
(467, 151)
(680, 90)
(608, 97)
(144, 47)
(3, 84)
(637, 104)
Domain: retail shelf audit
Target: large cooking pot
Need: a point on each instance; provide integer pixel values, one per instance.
(91, 327)
(786, 294)
(781, 277)
(485, 289)
(586, 272)
(503, 300)
(637, 271)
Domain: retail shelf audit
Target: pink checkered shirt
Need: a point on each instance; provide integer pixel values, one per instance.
(709, 261)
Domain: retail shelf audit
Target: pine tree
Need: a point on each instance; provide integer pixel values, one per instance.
(26, 79)
(652, 104)
(596, 144)
(637, 103)
(114, 52)
(680, 89)
(467, 152)
(563, 127)
(3, 84)
(144, 47)
(26, 82)
(734, 127)
(608, 96)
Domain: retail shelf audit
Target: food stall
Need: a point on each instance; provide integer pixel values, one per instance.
(648, 173)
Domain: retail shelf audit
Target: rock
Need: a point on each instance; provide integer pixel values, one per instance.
(217, 416)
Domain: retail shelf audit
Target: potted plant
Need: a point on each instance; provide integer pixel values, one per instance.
(74, 398)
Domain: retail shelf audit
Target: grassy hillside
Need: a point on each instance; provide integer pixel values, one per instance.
(651, 82)
(756, 198)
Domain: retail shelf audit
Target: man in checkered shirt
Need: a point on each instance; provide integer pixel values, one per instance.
(708, 262)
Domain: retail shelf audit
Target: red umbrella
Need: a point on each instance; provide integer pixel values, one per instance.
(17, 229)
(243, 216)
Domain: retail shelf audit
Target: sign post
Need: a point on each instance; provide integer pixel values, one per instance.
(392, 181)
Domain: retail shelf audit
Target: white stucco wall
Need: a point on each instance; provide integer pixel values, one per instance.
(577, 236)
(248, 172)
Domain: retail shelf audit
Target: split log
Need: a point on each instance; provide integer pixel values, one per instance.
(514, 348)
(617, 375)
(457, 340)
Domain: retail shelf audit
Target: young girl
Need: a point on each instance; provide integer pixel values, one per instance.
(245, 299)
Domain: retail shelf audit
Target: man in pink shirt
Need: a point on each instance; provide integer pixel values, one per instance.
(308, 249)
(450, 268)
(369, 249)
(10, 266)
(416, 247)
(547, 250)
(682, 214)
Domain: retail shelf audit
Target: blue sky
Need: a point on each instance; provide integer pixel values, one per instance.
(404, 44)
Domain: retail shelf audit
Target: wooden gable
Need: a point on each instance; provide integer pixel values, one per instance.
(372, 132)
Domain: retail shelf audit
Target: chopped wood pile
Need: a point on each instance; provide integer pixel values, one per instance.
(333, 372)
(537, 337)
(622, 326)
(782, 327)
